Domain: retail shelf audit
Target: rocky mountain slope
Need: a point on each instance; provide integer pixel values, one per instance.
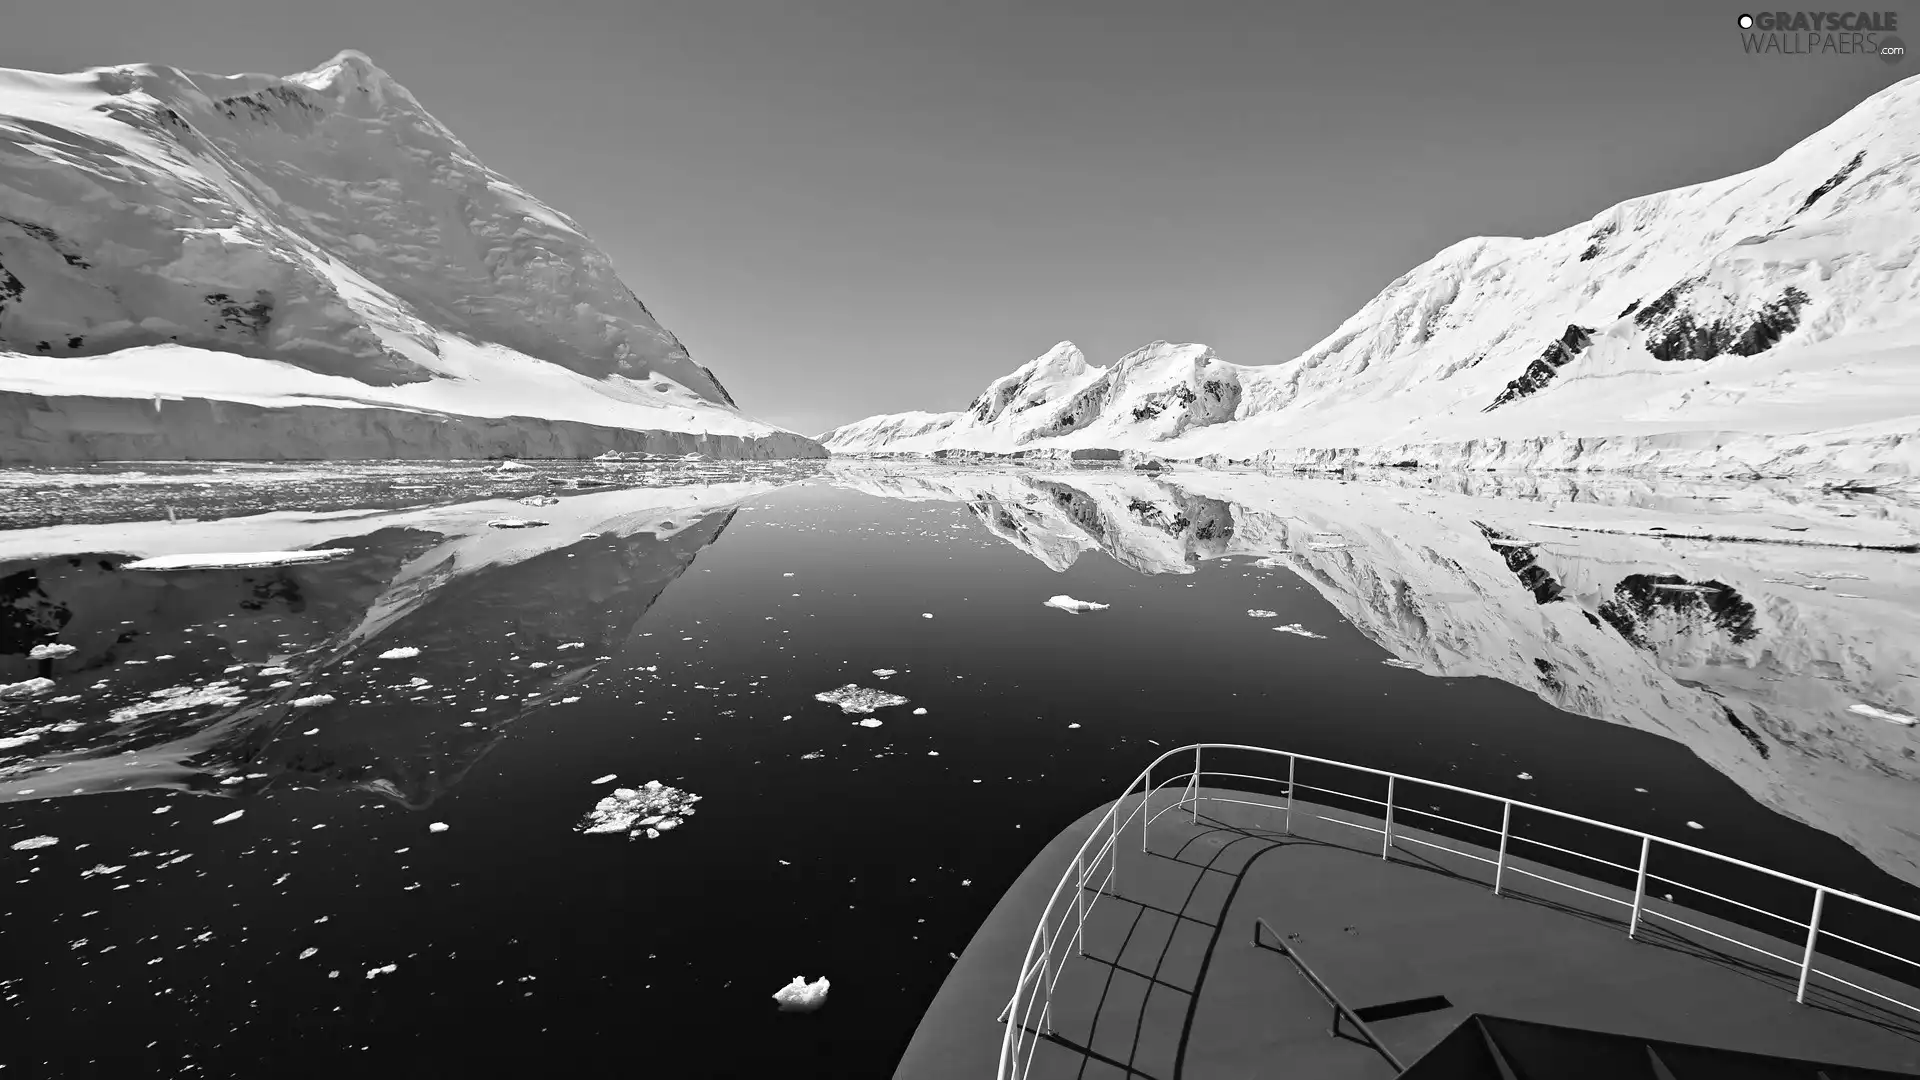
(1762, 323)
(310, 266)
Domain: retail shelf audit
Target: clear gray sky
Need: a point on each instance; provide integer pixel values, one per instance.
(857, 206)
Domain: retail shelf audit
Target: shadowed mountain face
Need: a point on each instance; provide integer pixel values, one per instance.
(1754, 655)
(305, 698)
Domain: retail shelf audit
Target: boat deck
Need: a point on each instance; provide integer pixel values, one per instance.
(1171, 984)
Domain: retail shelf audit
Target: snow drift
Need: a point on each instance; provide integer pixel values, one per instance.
(310, 266)
(1762, 323)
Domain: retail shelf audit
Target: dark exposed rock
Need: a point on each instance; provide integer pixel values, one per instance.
(1834, 181)
(1597, 240)
(1629, 309)
(724, 396)
(51, 239)
(1519, 559)
(1549, 675)
(1560, 353)
(1637, 600)
(252, 318)
(1682, 337)
(1759, 746)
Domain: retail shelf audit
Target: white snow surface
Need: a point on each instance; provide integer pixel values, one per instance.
(1071, 606)
(1701, 275)
(318, 239)
(236, 560)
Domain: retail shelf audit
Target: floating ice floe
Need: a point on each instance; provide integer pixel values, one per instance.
(869, 722)
(312, 701)
(801, 995)
(439, 826)
(19, 740)
(852, 698)
(405, 652)
(511, 465)
(514, 523)
(1399, 663)
(652, 809)
(236, 560)
(1262, 613)
(386, 969)
(51, 652)
(885, 672)
(1810, 586)
(26, 689)
(1073, 607)
(35, 843)
(926, 614)
(538, 500)
(607, 779)
(1526, 776)
(1695, 825)
(1296, 628)
(235, 816)
(176, 698)
(919, 712)
(1882, 714)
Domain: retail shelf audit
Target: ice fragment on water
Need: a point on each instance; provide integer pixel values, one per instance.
(919, 712)
(852, 698)
(307, 952)
(514, 523)
(386, 970)
(312, 701)
(868, 723)
(607, 779)
(1296, 628)
(235, 816)
(1881, 714)
(26, 689)
(1069, 604)
(801, 995)
(438, 826)
(405, 652)
(884, 672)
(1399, 663)
(1262, 613)
(649, 808)
(1695, 825)
(1526, 776)
(34, 843)
(926, 614)
(51, 652)
(236, 560)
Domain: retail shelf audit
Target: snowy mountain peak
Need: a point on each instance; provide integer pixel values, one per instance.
(324, 222)
(1768, 321)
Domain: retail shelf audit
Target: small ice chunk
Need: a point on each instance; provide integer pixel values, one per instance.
(26, 689)
(607, 779)
(1695, 825)
(405, 652)
(647, 809)
(236, 560)
(869, 722)
(511, 465)
(1526, 776)
(1882, 714)
(919, 712)
(312, 701)
(438, 826)
(801, 995)
(852, 698)
(52, 652)
(308, 952)
(885, 672)
(1262, 613)
(1071, 606)
(19, 740)
(235, 816)
(387, 969)
(926, 614)
(1296, 628)
(514, 523)
(34, 843)
(1399, 663)
(1073, 725)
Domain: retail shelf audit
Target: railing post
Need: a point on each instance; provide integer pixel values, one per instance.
(1287, 827)
(1640, 885)
(1080, 904)
(1195, 786)
(1386, 834)
(1813, 936)
(1046, 979)
(1146, 810)
(1506, 825)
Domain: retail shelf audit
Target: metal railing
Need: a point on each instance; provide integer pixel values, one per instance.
(1028, 1013)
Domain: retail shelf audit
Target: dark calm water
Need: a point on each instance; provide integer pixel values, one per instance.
(685, 641)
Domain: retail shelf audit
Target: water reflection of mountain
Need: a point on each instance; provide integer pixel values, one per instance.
(189, 679)
(1750, 654)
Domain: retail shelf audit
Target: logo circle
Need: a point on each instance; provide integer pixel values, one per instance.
(1892, 49)
(1746, 22)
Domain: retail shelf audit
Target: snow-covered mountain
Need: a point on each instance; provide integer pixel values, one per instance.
(310, 266)
(1766, 322)
(1752, 655)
